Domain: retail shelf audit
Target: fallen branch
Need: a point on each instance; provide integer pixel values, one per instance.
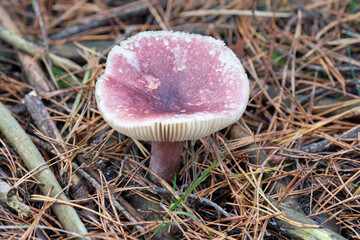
(40, 115)
(31, 49)
(301, 233)
(120, 203)
(34, 161)
(32, 68)
(117, 205)
(8, 195)
(325, 144)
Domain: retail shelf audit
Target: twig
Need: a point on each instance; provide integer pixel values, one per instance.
(117, 205)
(262, 30)
(325, 144)
(235, 12)
(295, 232)
(7, 60)
(302, 99)
(43, 32)
(30, 67)
(33, 160)
(219, 209)
(32, 49)
(341, 68)
(40, 115)
(121, 205)
(8, 195)
(101, 19)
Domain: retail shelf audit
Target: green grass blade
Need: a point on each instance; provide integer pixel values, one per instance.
(259, 171)
(192, 187)
(78, 96)
(163, 224)
(193, 217)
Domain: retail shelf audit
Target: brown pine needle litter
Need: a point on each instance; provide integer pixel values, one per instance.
(289, 169)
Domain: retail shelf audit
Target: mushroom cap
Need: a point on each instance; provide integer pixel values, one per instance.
(171, 86)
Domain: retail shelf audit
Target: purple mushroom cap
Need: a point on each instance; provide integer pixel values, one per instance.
(171, 86)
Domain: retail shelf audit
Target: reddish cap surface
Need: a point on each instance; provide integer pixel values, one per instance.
(171, 86)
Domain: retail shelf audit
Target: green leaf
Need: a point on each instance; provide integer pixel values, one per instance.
(353, 5)
(62, 82)
(278, 62)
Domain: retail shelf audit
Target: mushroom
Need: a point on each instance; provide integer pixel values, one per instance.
(168, 87)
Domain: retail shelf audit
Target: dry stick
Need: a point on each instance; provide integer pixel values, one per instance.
(301, 233)
(101, 19)
(8, 195)
(341, 68)
(31, 67)
(324, 144)
(120, 204)
(67, 14)
(47, 127)
(33, 72)
(36, 7)
(235, 13)
(117, 205)
(31, 49)
(294, 211)
(40, 115)
(33, 160)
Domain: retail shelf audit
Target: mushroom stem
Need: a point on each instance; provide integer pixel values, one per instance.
(165, 159)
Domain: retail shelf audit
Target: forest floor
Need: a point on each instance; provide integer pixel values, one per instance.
(289, 169)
